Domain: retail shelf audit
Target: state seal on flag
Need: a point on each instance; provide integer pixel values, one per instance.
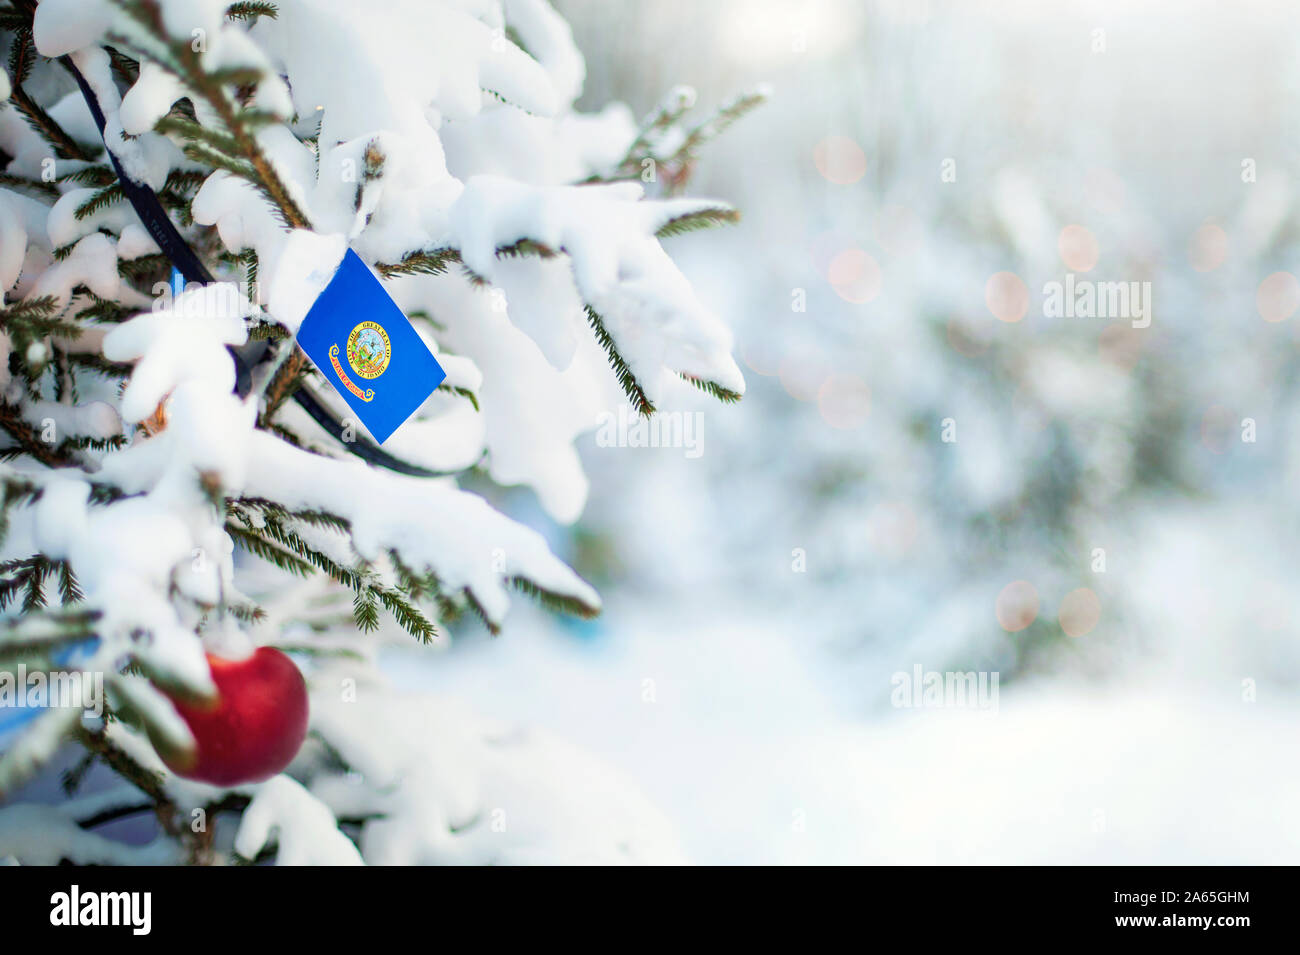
(369, 349)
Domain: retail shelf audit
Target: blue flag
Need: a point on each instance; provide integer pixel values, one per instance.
(366, 348)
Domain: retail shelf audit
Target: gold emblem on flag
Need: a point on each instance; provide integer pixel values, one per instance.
(369, 349)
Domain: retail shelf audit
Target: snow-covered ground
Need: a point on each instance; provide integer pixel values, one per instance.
(729, 726)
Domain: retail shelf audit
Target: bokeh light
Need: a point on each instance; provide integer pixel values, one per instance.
(1208, 248)
(1078, 248)
(1080, 612)
(1278, 296)
(1007, 296)
(1017, 606)
(840, 160)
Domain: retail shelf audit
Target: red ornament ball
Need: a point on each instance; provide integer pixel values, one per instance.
(254, 728)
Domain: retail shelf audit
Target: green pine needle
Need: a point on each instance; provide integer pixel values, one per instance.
(697, 221)
(725, 395)
(463, 393)
(256, 544)
(631, 387)
(557, 602)
(420, 262)
(90, 176)
(409, 616)
(102, 199)
(251, 10)
(365, 610)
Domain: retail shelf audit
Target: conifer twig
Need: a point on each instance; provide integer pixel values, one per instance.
(22, 55)
(11, 420)
(148, 782)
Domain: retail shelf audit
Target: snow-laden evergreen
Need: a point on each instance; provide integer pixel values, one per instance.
(151, 512)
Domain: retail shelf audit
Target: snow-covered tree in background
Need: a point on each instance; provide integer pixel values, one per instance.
(1073, 434)
(152, 513)
(908, 178)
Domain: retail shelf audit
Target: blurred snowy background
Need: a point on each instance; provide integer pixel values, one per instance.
(1113, 530)
(930, 471)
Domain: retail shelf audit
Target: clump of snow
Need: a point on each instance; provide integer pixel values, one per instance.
(91, 419)
(145, 156)
(44, 835)
(183, 342)
(619, 269)
(135, 242)
(450, 786)
(305, 265)
(548, 37)
(65, 26)
(456, 534)
(304, 829)
(92, 263)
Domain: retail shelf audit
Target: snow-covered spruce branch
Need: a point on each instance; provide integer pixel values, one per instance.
(655, 296)
(150, 514)
(226, 89)
(666, 147)
(22, 55)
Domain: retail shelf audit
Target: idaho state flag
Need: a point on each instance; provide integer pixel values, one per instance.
(366, 348)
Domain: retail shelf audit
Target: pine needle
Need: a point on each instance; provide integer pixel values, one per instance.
(697, 221)
(631, 387)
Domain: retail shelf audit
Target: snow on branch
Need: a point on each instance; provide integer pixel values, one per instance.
(646, 312)
(45, 835)
(452, 534)
(300, 826)
(140, 496)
